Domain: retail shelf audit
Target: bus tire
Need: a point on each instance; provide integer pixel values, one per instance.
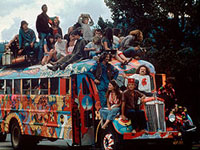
(110, 139)
(16, 136)
(3, 137)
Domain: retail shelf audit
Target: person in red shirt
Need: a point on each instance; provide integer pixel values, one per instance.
(131, 107)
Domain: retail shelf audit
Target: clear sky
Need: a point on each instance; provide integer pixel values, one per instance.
(13, 11)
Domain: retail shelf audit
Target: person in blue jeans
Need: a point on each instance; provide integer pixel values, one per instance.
(113, 97)
(102, 73)
(131, 107)
(43, 29)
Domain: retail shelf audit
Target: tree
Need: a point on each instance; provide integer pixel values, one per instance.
(103, 24)
(172, 27)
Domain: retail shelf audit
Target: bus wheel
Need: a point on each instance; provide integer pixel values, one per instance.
(109, 140)
(3, 137)
(16, 136)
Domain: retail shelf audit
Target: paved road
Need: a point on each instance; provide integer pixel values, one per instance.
(61, 145)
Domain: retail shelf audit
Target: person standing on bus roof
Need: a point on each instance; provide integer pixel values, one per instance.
(27, 39)
(130, 107)
(113, 96)
(43, 29)
(102, 73)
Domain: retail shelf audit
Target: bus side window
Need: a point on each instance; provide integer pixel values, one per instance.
(44, 86)
(8, 86)
(26, 89)
(17, 86)
(2, 86)
(67, 86)
(34, 86)
(54, 86)
(85, 87)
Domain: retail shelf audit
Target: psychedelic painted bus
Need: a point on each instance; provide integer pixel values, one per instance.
(37, 103)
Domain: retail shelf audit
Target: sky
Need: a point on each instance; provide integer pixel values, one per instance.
(12, 12)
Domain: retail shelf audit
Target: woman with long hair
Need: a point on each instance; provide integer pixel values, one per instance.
(48, 49)
(107, 42)
(113, 97)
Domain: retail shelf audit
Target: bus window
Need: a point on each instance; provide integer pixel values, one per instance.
(8, 86)
(54, 86)
(85, 87)
(17, 86)
(2, 86)
(34, 86)
(26, 87)
(44, 86)
(67, 86)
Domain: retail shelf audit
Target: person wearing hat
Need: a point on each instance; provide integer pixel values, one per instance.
(43, 29)
(27, 39)
(131, 107)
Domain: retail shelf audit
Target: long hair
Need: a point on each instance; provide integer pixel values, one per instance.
(138, 35)
(116, 90)
(49, 44)
(103, 56)
(109, 34)
(147, 70)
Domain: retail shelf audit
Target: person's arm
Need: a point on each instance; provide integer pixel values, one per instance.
(20, 38)
(108, 104)
(105, 45)
(115, 72)
(142, 97)
(123, 107)
(33, 36)
(80, 20)
(66, 48)
(91, 21)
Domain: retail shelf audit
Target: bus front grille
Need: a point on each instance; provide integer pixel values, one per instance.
(155, 116)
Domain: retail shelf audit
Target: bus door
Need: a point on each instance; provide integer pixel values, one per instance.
(86, 108)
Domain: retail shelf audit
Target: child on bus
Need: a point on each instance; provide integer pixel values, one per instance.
(113, 96)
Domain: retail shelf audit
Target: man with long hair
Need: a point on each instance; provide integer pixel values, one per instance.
(102, 73)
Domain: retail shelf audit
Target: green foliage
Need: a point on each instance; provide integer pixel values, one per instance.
(103, 24)
(172, 29)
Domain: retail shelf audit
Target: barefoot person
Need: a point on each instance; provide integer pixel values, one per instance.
(130, 107)
(113, 96)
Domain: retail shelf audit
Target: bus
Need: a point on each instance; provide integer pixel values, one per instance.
(37, 103)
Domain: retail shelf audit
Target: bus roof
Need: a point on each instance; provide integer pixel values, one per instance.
(39, 71)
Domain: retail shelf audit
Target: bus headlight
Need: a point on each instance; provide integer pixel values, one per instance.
(172, 117)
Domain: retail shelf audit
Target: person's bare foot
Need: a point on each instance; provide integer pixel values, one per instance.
(104, 126)
(133, 131)
(145, 131)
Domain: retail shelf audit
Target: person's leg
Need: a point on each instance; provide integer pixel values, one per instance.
(104, 113)
(131, 114)
(44, 60)
(141, 120)
(41, 44)
(102, 98)
(130, 52)
(113, 113)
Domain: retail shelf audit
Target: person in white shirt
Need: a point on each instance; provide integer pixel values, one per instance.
(60, 47)
(143, 76)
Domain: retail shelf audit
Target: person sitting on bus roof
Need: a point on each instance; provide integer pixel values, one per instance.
(94, 47)
(55, 28)
(107, 42)
(78, 52)
(131, 107)
(13, 45)
(130, 44)
(113, 96)
(102, 73)
(27, 39)
(143, 76)
(49, 46)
